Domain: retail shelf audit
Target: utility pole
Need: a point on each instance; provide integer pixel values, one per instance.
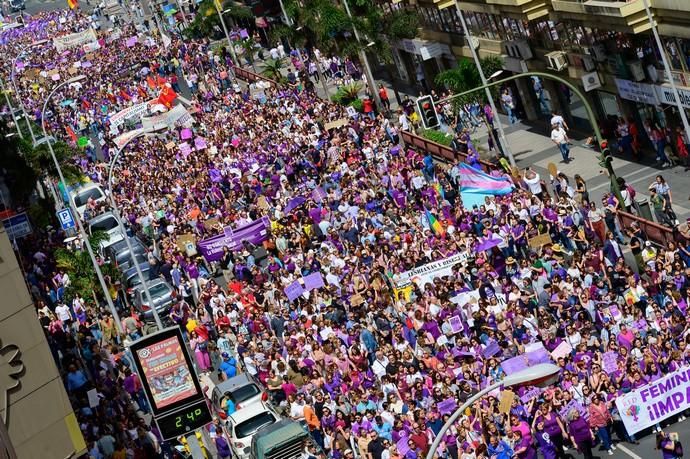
(365, 61)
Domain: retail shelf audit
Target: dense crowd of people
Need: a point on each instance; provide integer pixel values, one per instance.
(372, 366)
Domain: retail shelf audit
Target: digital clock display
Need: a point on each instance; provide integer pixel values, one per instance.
(184, 421)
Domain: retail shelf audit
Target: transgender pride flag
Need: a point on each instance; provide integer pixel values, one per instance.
(475, 185)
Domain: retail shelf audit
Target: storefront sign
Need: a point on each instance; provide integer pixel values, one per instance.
(637, 92)
(666, 96)
(654, 402)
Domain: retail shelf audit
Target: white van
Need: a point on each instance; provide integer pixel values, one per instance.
(80, 196)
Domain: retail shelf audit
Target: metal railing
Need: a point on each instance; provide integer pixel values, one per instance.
(250, 77)
(655, 232)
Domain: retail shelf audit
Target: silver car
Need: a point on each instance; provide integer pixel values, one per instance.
(162, 295)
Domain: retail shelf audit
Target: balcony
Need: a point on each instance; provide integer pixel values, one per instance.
(524, 10)
(625, 16)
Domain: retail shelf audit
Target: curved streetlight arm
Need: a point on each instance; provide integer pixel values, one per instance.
(578, 93)
(123, 230)
(13, 81)
(535, 375)
(75, 215)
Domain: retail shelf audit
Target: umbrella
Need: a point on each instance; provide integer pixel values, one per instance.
(294, 203)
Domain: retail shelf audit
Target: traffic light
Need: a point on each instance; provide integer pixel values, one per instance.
(427, 111)
(605, 157)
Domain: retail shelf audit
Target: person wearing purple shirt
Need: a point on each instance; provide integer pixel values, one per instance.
(580, 433)
(524, 449)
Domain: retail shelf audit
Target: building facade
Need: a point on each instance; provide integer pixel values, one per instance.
(605, 47)
(34, 407)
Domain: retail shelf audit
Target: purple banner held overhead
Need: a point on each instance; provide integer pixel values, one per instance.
(447, 406)
(294, 290)
(255, 232)
(514, 365)
(313, 281)
(492, 349)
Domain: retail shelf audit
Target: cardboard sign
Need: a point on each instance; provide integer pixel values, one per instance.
(211, 223)
(336, 124)
(539, 241)
(183, 241)
(506, 401)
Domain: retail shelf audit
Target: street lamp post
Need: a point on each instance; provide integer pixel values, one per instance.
(11, 109)
(13, 80)
(504, 142)
(365, 61)
(578, 93)
(667, 68)
(542, 374)
(216, 3)
(121, 225)
(80, 226)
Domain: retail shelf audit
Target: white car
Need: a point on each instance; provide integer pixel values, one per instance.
(108, 223)
(80, 196)
(244, 423)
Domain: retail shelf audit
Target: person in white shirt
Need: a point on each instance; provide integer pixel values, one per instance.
(403, 120)
(63, 313)
(557, 119)
(560, 138)
(533, 182)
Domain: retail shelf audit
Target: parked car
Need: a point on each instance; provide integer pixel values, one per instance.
(118, 253)
(242, 389)
(285, 439)
(108, 223)
(80, 197)
(243, 424)
(162, 295)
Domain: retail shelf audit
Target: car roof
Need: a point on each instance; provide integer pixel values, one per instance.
(250, 411)
(86, 187)
(151, 283)
(234, 383)
(100, 217)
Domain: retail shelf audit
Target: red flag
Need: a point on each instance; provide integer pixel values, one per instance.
(167, 96)
(71, 134)
(161, 81)
(125, 95)
(151, 82)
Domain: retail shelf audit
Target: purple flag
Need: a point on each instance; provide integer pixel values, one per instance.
(294, 203)
(318, 194)
(186, 134)
(492, 349)
(447, 406)
(514, 365)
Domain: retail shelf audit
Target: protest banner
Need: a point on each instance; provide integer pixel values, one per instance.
(656, 401)
(313, 281)
(294, 290)
(122, 139)
(573, 405)
(506, 401)
(428, 272)
(609, 362)
(561, 350)
(530, 394)
(134, 112)
(255, 232)
(176, 116)
(336, 124)
(74, 39)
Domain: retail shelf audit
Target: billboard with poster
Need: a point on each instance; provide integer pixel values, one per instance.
(166, 371)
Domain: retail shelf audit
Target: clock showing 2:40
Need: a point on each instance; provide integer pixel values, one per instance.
(191, 416)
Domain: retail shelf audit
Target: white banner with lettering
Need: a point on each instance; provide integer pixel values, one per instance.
(74, 39)
(176, 116)
(425, 274)
(656, 401)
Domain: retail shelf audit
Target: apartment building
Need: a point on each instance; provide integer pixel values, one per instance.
(605, 47)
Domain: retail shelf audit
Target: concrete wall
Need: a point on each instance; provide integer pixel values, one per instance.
(40, 419)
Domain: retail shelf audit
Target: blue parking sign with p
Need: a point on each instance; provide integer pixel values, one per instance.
(66, 218)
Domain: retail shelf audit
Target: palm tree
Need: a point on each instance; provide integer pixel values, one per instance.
(248, 46)
(77, 264)
(273, 69)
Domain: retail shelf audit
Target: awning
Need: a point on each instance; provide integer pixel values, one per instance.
(424, 48)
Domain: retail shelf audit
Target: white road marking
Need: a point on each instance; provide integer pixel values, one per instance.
(627, 451)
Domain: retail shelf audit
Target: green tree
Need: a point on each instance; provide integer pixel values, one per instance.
(273, 68)
(466, 76)
(77, 264)
(206, 22)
